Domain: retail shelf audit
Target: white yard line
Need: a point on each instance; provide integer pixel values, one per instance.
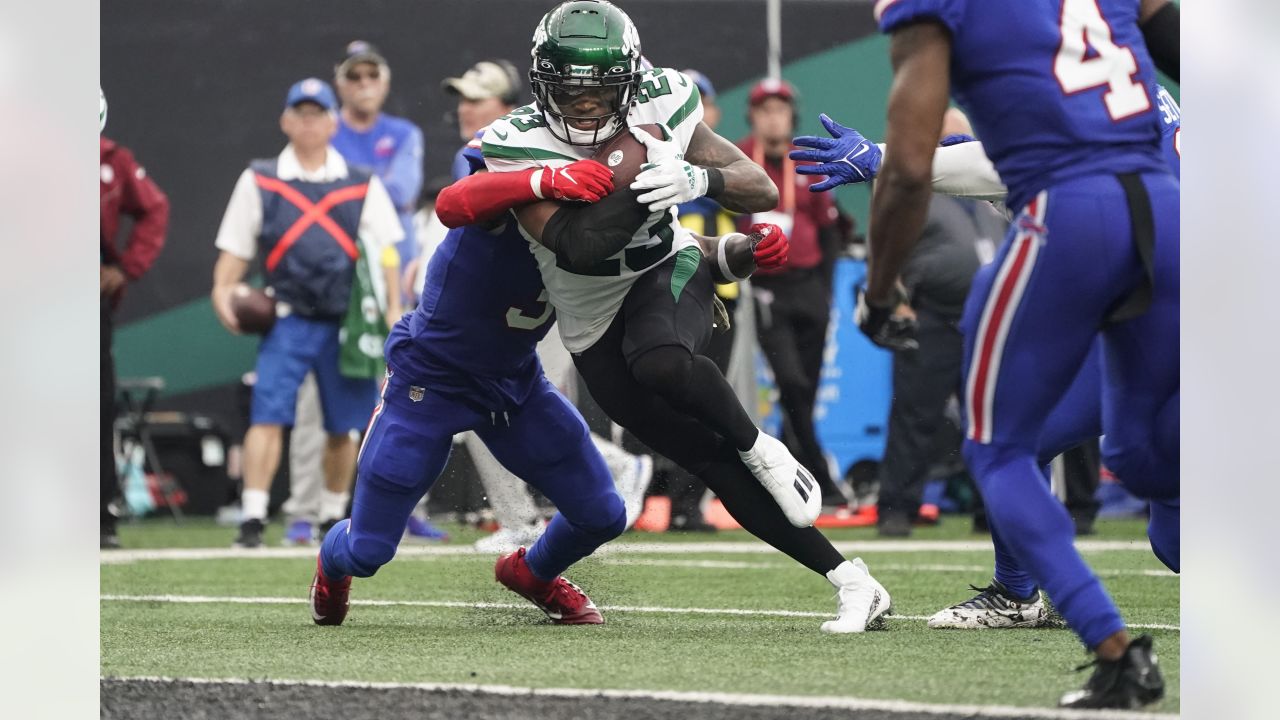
(234, 600)
(733, 699)
(112, 557)
(745, 565)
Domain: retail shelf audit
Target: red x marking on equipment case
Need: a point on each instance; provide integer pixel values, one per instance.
(312, 214)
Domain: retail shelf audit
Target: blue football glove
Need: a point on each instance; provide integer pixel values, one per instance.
(956, 139)
(845, 158)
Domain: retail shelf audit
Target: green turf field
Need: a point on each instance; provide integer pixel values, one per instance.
(249, 620)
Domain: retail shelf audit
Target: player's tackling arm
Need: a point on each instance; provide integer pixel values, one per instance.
(747, 188)
(921, 57)
(583, 235)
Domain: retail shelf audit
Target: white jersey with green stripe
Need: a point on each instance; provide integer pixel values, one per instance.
(586, 303)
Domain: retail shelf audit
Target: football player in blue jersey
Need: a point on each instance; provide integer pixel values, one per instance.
(1012, 599)
(1063, 99)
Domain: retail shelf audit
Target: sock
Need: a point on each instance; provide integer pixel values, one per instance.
(253, 503)
(333, 505)
(847, 572)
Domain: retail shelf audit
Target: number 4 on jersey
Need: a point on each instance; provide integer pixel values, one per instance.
(1083, 27)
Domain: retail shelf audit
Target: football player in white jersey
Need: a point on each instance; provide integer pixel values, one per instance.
(632, 294)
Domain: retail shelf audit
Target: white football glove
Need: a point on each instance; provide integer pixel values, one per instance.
(668, 178)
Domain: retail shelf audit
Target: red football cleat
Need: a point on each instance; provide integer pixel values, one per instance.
(330, 600)
(561, 600)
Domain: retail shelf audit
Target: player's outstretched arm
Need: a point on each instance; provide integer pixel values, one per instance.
(484, 195)
(735, 256)
(921, 57)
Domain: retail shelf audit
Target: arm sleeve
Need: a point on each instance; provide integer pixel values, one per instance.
(147, 204)
(582, 236)
(379, 222)
(894, 14)
(403, 180)
(242, 222)
(484, 196)
(964, 170)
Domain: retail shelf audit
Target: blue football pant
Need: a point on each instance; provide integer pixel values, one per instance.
(1029, 324)
(545, 442)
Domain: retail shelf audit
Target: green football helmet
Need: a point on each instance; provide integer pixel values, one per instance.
(585, 47)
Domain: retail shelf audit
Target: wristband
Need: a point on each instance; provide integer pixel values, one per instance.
(722, 260)
(715, 182)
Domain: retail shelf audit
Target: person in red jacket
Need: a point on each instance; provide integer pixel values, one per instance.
(793, 303)
(124, 189)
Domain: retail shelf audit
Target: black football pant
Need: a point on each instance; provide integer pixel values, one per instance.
(689, 443)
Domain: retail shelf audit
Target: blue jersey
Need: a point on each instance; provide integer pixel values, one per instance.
(1056, 89)
(392, 150)
(483, 311)
(1170, 129)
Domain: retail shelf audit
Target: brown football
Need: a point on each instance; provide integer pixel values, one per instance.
(254, 309)
(624, 155)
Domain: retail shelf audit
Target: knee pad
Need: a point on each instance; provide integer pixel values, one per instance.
(665, 370)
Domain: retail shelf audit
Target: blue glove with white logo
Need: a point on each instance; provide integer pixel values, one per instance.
(845, 158)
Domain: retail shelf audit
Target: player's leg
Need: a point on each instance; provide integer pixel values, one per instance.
(404, 451)
(668, 321)
(1165, 533)
(1029, 327)
(665, 320)
(1141, 368)
(714, 460)
(546, 442)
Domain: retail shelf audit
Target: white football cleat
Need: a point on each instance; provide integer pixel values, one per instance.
(509, 539)
(860, 598)
(994, 607)
(790, 484)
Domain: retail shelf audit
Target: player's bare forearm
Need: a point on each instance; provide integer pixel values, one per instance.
(747, 187)
(921, 58)
(228, 271)
(738, 255)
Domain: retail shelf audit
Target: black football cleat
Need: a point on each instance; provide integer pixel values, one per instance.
(1127, 684)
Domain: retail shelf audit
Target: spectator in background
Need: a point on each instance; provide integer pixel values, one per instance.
(958, 236)
(305, 211)
(391, 148)
(485, 92)
(793, 304)
(123, 189)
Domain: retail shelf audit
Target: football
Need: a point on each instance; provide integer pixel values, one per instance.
(254, 309)
(624, 154)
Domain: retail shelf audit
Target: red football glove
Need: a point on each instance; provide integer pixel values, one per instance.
(584, 180)
(771, 249)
